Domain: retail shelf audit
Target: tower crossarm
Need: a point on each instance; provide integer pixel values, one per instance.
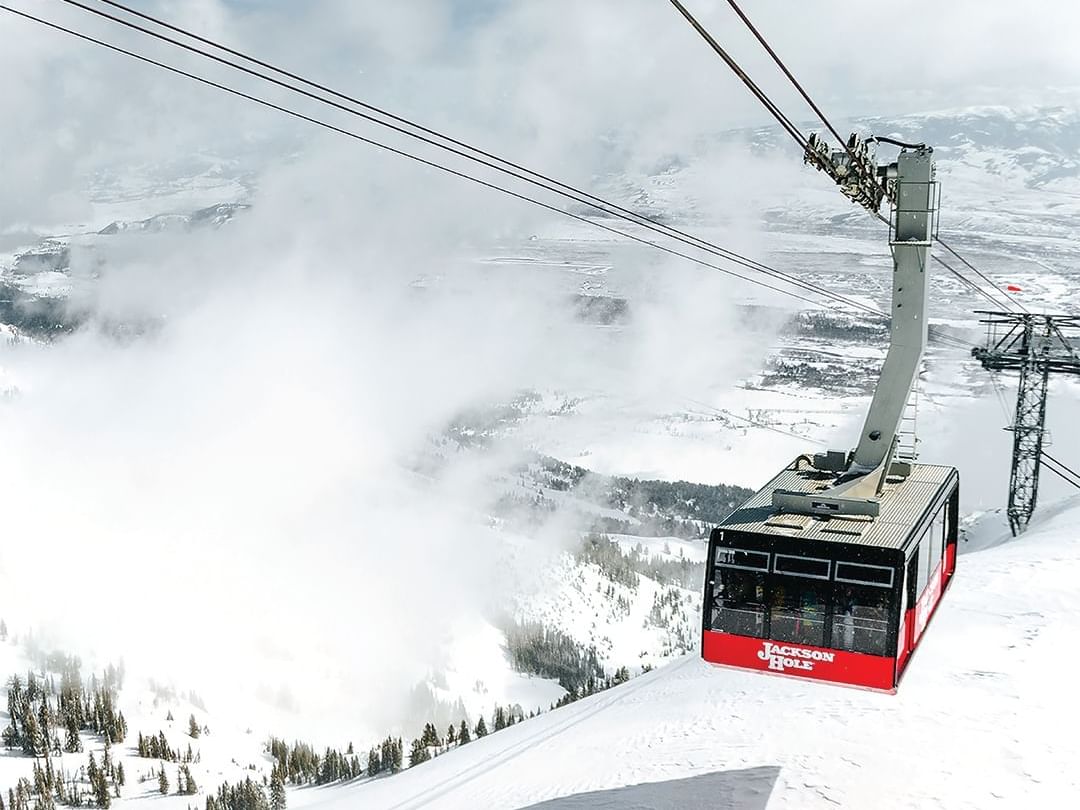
(1013, 339)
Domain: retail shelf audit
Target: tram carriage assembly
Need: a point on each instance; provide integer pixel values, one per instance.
(835, 599)
(833, 570)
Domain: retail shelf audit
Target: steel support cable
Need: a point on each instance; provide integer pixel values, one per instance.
(591, 200)
(795, 82)
(964, 279)
(967, 281)
(735, 258)
(779, 62)
(1067, 476)
(783, 119)
(401, 153)
(545, 182)
(979, 273)
(491, 161)
(1048, 459)
(758, 93)
(724, 412)
(1062, 465)
(994, 378)
(824, 120)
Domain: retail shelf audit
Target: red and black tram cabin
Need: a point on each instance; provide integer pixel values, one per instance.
(843, 599)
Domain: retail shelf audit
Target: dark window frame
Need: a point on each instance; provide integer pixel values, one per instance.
(748, 551)
(779, 614)
(867, 582)
(828, 567)
(870, 634)
(743, 576)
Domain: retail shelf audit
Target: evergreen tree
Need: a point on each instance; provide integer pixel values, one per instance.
(120, 774)
(499, 719)
(386, 755)
(418, 754)
(451, 737)
(374, 762)
(193, 728)
(463, 734)
(3, 637)
(11, 737)
(72, 743)
(100, 789)
(430, 737)
(169, 716)
(99, 783)
(163, 782)
(32, 741)
(190, 787)
(481, 728)
(277, 791)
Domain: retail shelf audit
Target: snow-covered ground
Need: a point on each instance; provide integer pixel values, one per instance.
(630, 627)
(984, 718)
(224, 752)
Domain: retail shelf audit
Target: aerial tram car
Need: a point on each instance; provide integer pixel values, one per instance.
(833, 570)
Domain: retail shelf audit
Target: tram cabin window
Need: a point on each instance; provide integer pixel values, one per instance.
(801, 566)
(860, 618)
(739, 592)
(798, 600)
(921, 571)
(937, 541)
(742, 558)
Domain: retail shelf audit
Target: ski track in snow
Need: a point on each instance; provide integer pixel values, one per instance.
(531, 741)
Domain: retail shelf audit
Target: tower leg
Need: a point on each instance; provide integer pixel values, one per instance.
(1030, 425)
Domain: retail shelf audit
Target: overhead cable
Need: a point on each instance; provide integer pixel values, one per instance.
(1064, 477)
(1059, 469)
(757, 92)
(979, 273)
(779, 63)
(420, 160)
(485, 158)
(798, 137)
(573, 194)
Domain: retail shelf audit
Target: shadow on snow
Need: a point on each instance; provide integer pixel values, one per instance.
(747, 789)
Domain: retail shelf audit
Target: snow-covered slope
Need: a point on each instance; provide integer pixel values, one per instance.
(985, 717)
(222, 753)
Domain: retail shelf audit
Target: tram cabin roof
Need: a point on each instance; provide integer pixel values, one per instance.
(904, 503)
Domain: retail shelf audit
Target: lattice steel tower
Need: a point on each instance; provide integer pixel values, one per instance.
(1036, 346)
